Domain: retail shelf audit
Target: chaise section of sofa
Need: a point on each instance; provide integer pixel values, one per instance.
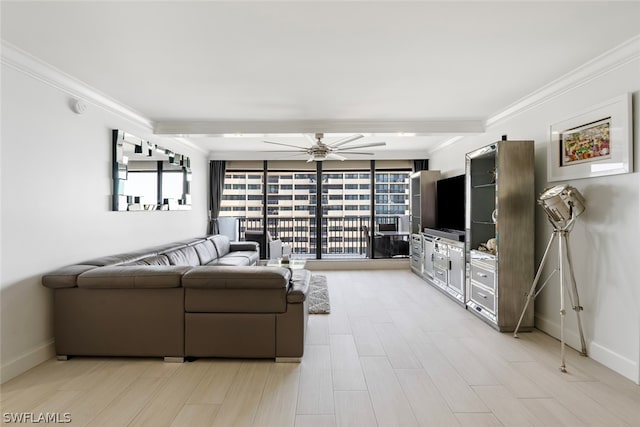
(248, 313)
(119, 311)
(200, 297)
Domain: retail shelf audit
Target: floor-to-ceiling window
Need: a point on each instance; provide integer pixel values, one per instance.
(242, 197)
(348, 212)
(291, 205)
(391, 211)
(346, 208)
(392, 196)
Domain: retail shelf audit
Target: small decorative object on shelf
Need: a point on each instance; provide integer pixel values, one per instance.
(490, 246)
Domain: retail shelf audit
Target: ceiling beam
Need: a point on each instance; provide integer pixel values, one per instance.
(419, 127)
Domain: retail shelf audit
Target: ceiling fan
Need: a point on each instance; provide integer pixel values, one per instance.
(320, 151)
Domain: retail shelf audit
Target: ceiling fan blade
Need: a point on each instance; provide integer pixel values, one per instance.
(298, 152)
(371, 144)
(311, 139)
(286, 145)
(356, 152)
(336, 156)
(343, 141)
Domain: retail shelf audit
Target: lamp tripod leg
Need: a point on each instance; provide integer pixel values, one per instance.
(532, 291)
(575, 300)
(563, 310)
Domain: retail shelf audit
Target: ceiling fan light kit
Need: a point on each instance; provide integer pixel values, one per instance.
(320, 151)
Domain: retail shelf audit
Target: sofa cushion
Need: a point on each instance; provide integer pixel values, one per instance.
(115, 259)
(230, 261)
(167, 247)
(183, 256)
(251, 257)
(192, 241)
(157, 260)
(221, 243)
(134, 276)
(221, 277)
(65, 277)
(237, 259)
(152, 260)
(206, 251)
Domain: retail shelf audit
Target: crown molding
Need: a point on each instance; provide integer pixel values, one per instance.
(446, 143)
(28, 64)
(187, 142)
(419, 127)
(605, 63)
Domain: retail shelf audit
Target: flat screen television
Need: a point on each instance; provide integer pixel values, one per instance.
(450, 203)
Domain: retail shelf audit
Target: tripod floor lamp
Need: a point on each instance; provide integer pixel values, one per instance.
(562, 204)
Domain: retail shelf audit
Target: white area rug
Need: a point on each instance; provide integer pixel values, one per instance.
(318, 295)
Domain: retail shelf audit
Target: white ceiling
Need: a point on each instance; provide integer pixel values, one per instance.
(278, 67)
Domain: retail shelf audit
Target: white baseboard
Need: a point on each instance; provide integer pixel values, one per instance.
(27, 361)
(622, 365)
(612, 360)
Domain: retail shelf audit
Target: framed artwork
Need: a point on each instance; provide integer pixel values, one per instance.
(596, 142)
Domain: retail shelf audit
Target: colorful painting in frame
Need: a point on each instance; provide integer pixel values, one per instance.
(596, 142)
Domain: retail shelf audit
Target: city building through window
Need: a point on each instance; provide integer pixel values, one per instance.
(292, 209)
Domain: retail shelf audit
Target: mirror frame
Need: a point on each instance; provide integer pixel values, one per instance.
(128, 148)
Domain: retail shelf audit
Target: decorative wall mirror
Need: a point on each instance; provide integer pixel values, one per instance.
(148, 177)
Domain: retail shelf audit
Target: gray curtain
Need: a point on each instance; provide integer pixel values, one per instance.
(421, 165)
(217, 169)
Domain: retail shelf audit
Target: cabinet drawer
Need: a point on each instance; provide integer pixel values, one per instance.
(483, 297)
(440, 275)
(483, 276)
(440, 260)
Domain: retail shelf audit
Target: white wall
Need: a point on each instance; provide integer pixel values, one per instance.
(605, 239)
(56, 195)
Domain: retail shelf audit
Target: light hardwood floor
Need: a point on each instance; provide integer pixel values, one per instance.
(393, 352)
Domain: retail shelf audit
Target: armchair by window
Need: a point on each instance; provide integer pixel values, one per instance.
(258, 236)
(277, 249)
(381, 245)
(388, 227)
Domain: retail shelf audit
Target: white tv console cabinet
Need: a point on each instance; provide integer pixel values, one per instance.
(440, 261)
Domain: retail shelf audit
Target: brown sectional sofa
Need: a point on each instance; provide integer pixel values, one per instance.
(201, 297)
